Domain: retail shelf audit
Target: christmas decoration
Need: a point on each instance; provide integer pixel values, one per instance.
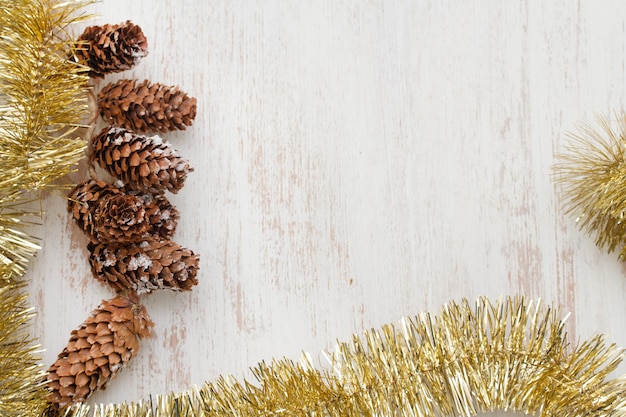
(44, 100)
(111, 48)
(592, 173)
(98, 350)
(85, 198)
(161, 214)
(107, 213)
(129, 224)
(144, 267)
(141, 162)
(509, 355)
(146, 107)
(121, 218)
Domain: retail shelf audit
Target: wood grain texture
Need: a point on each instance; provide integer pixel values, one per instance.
(356, 162)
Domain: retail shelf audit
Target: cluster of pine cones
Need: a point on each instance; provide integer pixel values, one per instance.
(129, 223)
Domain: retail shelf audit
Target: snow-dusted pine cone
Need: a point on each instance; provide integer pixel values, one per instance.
(144, 267)
(111, 48)
(162, 215)
(109, 214)
(144, 163)
(85, 198)
(146, 107)
(98, 350)
(121, 218)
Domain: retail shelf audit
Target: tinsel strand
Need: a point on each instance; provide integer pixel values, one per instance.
(42, 103)
(508, 355)
(592, 175)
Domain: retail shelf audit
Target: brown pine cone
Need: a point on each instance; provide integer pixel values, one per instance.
(85, 198)
(110, 214)
(142, 162)
(111, 48)
(144, 267)
(162, 215)
(146, 107)
(121, 218)
(100, 348)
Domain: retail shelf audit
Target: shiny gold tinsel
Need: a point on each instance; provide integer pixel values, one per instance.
(592, 173)
(42, 102)
(511, 355)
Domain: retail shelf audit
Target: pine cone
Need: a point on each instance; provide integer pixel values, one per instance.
(111, 48)
(109, 214)
(85, 198)
(162, 215)
(141, 162)
(144, 267)
(146, 107)
(121, 218)
(101, 347)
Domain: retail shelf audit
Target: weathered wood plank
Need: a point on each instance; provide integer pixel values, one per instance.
(356, 162)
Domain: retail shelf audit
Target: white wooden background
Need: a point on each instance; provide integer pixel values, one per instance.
(355, 162)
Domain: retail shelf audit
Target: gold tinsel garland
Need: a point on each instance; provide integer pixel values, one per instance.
(507, 355)
(592, 174)
(42, 102)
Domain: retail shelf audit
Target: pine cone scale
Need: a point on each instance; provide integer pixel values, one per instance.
(77, 369)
